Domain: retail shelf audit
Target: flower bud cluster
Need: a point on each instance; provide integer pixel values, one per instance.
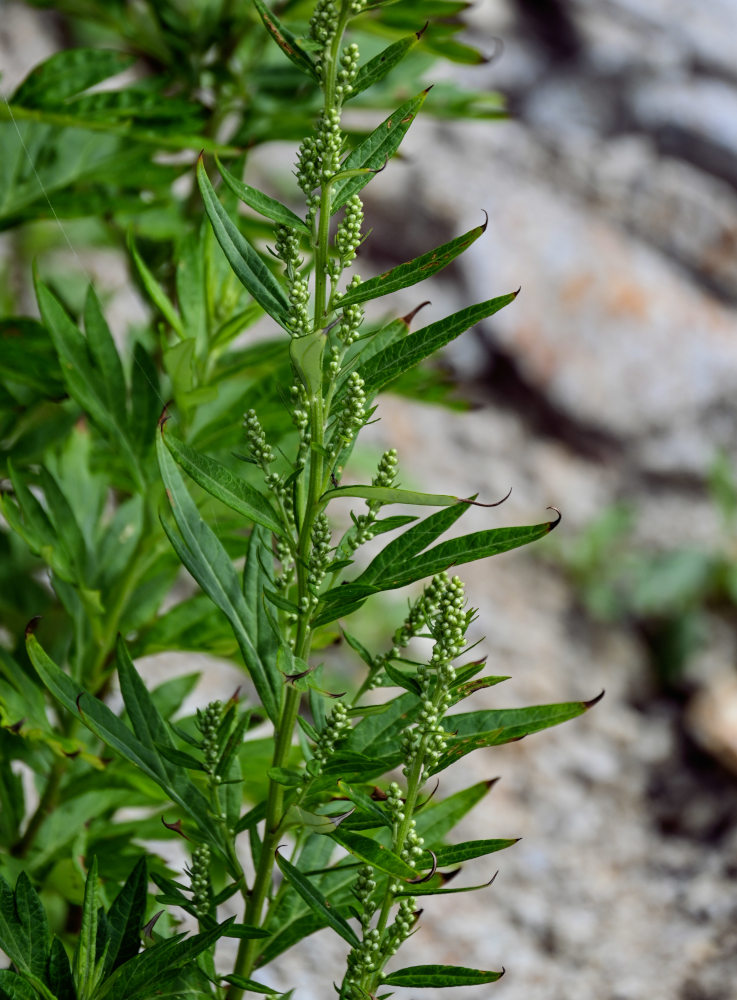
(347, 72)
(324, 21)
(199, 877)
(284, 555)
(363, 523)
(329, 143)
(298, 319)
(286, 247)
(348, 236)
(308, 168)
(350, 324)
(319, 555)
(401, 929)
(258, 446)
(208, 722)
(364, 890)
(300, 416)
(335, 730)
(353, 415)
(333, 368)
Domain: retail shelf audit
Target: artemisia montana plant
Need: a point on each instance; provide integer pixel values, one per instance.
(332, 821)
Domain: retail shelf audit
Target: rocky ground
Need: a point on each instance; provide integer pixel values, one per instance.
(612, 196)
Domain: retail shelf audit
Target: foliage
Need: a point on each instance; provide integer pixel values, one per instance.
(663, 595)
(104, 506)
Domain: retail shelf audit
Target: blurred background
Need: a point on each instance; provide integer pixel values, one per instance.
(608, 390)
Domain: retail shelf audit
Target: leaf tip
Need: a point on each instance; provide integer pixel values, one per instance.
(411, 315)
(423, 29)
(556, 522)
(176, 826)
(164, 415)
(32, 626)
(594, 701)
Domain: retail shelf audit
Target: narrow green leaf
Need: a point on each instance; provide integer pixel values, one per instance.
(413, 271)
(400, 554)
(306, 356)
(250, 985)
(180, 758)
(245, 931)
(404, 354)
(250, 269)
(456, 854)
(85, 952)
(204, 556)
(262, 203)
(59, 977)
(125, 918)
(32, 917)
(373, 853)
(437, 819)
(220, 482)
(473, 730)
(376, 149)
(387, 495)
(316, 901)
(286, 40)
(419, 976)
(104, 352)
(382, 64)
(155, 292)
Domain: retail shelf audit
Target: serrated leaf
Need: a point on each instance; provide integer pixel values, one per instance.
(217, 480)
(413, 271)
(286, 40)
(420, 976)
(15, 987)
(60, 972)
(403, 354)
(247, 264)
(262, 203)
(318, 903)
(375, 150)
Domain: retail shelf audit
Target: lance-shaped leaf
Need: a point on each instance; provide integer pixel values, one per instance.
(473, 730)
(250, 985)
(318, 903)
(455, 552)
(269, 207)
(414, 270)
(24, 930)
(419, 976)
(204, 556)
(456, 854)
(87, 969)
(221, 483)
(125, 918)
(141, 976)
(155, 292)
(383, 63)
(111, 730)
(242, 257)
(404, 354)
(373, 853)
(375, 150)
(286, 40)
(16, 987)
(388, 494)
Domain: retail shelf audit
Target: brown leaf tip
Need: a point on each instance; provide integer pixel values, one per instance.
(165, 414)
(594, 701)
(411, 315)
(32, 625)
(556, 522)
(176, 827)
